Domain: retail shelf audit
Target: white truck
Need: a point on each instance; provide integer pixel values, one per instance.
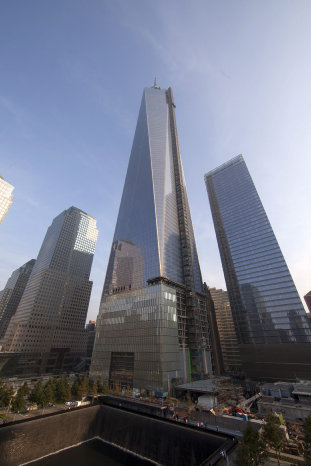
(75, 404)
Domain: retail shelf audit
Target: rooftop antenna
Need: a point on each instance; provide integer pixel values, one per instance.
(155, 84)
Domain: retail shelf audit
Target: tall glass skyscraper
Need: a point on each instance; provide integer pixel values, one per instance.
(147, 239)
(152, 324)
(11, 295)
(52, 312)
(6, 197)
(268, 314)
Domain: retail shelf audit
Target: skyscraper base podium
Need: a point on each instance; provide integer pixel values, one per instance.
(273, 362)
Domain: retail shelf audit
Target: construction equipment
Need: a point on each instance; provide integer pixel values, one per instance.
(242, 409)
(244, 406)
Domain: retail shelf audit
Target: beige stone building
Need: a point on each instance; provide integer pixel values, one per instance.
(226, 330)
(50, 318)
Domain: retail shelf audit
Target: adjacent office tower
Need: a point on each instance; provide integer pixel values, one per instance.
(226, 330)
(307, 298)
(152, 324)
(90, 332)
(11, 295)
(51, 314)
(6, 197)
(271, 325)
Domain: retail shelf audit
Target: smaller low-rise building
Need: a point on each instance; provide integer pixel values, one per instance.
(292, 400)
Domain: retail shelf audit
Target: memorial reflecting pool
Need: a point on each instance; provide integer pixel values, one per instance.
(94, 452)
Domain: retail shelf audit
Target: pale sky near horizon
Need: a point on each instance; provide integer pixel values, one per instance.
(72, 73)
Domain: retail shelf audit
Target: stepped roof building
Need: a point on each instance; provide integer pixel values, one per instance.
(50, 318)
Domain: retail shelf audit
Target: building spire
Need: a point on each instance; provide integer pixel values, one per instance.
(155, 86)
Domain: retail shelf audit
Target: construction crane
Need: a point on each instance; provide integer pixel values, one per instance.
(244, 406)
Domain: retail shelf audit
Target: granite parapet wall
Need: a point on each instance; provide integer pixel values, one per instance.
(26, 441)
(163, 441)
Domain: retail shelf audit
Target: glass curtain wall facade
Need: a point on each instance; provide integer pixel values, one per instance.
(226, 330)
(154, 236)
(52, 312)
(6, 197)
(137, 337)
(12, 293)
(146, 242)
(266, 307)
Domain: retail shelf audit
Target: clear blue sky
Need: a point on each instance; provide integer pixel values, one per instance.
(72, 74)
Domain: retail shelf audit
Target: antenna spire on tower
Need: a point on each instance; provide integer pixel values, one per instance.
(155, 84)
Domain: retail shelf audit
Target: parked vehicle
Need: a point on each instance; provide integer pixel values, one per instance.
(76, 403)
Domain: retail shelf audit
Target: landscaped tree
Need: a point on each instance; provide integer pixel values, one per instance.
(118, 388)
(6, 394)
(106, 387)
(63, 392)
(84, 386)
(18, 401)
(307, 440)
(252, 448)
(24, 389)
(100, 386)
(49, 392)
(93, 387)
(37, 395)
(76, 389)
(50, 389)
(273, 434)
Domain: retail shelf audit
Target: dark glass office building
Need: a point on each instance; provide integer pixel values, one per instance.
(271, 324)
(152, 325)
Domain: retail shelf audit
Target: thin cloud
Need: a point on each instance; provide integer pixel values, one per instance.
(14, 110)
(111, 104)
